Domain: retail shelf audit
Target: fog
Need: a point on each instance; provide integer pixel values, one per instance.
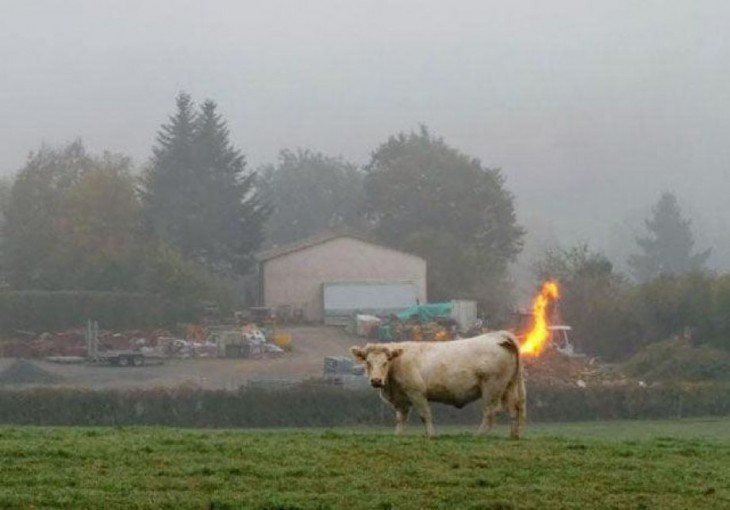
(591, 109)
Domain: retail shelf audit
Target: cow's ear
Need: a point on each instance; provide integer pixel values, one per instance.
(358, 353)
(394, 353)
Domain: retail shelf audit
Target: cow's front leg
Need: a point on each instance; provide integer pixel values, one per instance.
(401, 418)
(424, 411)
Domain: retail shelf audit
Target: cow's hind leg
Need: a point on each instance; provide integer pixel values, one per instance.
(517, 415)
(514, 402)
(490, 406)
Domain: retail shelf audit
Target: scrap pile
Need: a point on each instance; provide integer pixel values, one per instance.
(429, 322)
(72, 343)
(198, 342)
(397, 329)
(247, 342)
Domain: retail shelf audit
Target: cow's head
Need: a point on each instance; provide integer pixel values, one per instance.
(377, 360)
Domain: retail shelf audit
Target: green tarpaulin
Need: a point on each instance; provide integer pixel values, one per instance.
(426, 312)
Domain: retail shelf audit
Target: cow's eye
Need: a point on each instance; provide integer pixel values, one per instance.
(369, 365)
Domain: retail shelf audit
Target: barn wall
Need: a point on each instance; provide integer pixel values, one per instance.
(295, 279)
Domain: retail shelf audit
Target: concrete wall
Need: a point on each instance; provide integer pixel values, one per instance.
(295, 279)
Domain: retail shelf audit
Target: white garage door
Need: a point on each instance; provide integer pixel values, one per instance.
(342, 299)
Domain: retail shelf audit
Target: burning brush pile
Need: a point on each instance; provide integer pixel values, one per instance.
(545, 364)
(553, 368)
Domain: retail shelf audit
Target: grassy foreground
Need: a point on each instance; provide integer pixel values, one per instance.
(681, 464)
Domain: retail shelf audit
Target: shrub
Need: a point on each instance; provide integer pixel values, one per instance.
(618, 324)
(58, 310)
(313, 405)
(677, 359)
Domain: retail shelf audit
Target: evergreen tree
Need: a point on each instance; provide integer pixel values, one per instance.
(229, 227)
(667, 249)
(199, 196)
(169, 188)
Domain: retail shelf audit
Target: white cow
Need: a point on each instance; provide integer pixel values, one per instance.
(456, 373)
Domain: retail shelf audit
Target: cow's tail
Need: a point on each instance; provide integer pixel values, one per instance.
(514, 398)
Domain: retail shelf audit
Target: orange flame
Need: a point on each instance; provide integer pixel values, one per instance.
(538, 335)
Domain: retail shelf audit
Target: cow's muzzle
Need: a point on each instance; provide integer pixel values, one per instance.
(376, 383)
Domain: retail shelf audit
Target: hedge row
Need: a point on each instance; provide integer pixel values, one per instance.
(42, 311)
(312, 405)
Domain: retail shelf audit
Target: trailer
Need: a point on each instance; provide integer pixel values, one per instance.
(120, 358)
(116, 358)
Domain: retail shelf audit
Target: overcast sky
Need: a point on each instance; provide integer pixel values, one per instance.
(591, 108)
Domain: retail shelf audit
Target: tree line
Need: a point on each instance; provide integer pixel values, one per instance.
(193, 217)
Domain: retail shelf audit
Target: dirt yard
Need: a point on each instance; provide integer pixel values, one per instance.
(309, 347)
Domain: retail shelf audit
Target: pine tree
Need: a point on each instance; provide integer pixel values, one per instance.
(668, 247)
(199, 197)
(229, 227)
(169, 187)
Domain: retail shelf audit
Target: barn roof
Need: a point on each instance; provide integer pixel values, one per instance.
(322, 238)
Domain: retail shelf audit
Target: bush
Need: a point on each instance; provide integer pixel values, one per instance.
(618, 321)
(312, 405)
(41, 311)
(677, 359)
(721, 312)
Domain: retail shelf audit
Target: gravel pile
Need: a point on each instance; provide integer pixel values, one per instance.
(26, 372)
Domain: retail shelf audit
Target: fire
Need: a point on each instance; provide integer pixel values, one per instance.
(538, 335)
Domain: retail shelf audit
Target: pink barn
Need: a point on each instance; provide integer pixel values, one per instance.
(330, 276)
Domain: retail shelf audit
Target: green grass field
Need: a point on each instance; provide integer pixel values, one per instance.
(652, 464)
